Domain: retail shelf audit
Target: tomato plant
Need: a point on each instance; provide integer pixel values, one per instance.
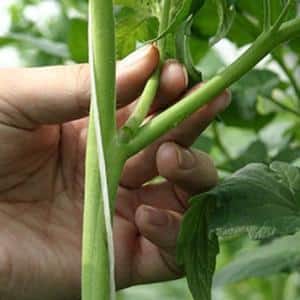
(198, 242)
(259, 193)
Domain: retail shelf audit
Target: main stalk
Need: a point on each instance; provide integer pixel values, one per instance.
(106, 155)
(103, 154)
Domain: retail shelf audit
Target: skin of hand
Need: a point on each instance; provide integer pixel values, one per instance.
(43, 129)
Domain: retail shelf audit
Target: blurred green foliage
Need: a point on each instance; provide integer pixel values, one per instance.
(262, 124)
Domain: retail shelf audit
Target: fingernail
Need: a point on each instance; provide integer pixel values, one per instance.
(83, 134)
(186, 160)
(155, 217)
(186, 76)
(229, 97)
(225, 102)
(136, 55)
(179, 68)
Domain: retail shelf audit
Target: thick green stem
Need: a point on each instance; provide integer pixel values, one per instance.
(96, 264)
(102, 31)
(102, 154)
(143, 106)
(92, 207)
(177, 113)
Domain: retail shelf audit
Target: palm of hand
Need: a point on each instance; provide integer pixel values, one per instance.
(41, 214)
(40, 210)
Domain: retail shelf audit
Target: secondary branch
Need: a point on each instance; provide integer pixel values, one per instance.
(180, 111)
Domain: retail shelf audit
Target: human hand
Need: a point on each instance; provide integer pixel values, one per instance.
(43, 137)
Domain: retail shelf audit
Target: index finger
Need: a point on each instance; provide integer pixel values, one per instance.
(50, 95)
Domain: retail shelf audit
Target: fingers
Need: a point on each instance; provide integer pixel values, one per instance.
(133, 72)
(191, 170)
(159, 216)
(60, 94)
(155, 258)
(45, 95)
(188, 172)
(159, 226)
(173, 83)
(142, 167)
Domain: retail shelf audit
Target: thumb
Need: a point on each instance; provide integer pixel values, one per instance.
(50, 95)
(191, 170)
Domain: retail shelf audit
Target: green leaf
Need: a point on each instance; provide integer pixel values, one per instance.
(78, 40)
(242, 37)
(152, 8)
(260, 200)
(204, 143)
(226, 12)
(278, 5)
(197, 249)
(243, 111)
(255, 152)
(49, 47)
(179, 17)
(248, 22)
(281, 255)
(288, 154)
(206, 21)
(295, 46)
(214, 20)
(138, 20)
(196, 6)
(187, 8)
(288, 175)
(210, 64)
(133, 29)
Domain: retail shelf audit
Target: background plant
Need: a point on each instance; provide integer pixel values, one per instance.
(261, 126)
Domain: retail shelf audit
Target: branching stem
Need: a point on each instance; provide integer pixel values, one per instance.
(253, 30)
(142, 108)
(97, 264)
(282, 16)
(105, 155)
(177, 113)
